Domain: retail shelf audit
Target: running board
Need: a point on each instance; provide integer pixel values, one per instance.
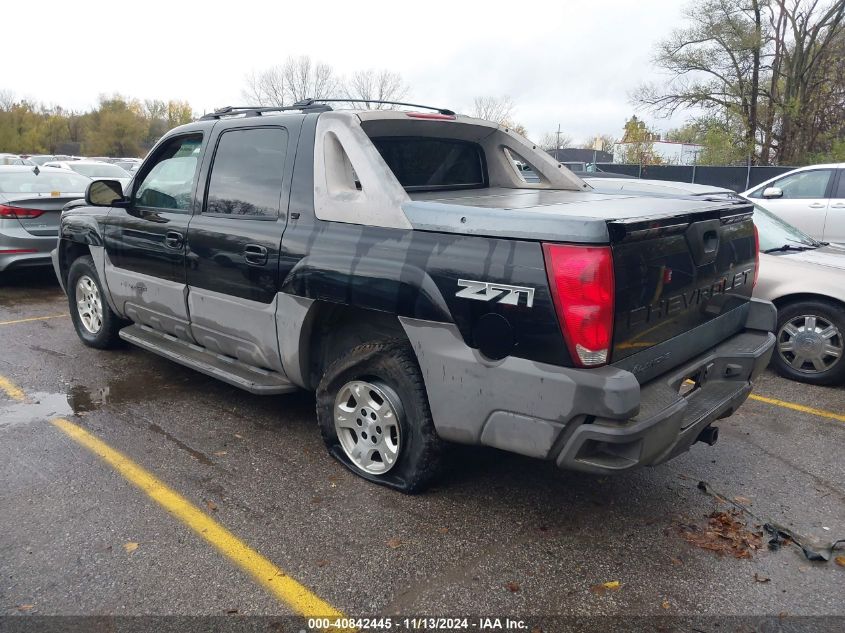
(225, 368)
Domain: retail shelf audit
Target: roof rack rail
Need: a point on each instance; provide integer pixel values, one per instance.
(399, 103)
(306, 105)
(309, 105)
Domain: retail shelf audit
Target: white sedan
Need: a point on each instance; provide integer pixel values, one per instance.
(811, 198)
(94, 169)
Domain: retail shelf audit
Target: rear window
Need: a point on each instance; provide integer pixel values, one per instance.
(45, 182)
(429, 164)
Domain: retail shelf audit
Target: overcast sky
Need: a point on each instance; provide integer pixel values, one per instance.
(572, 62)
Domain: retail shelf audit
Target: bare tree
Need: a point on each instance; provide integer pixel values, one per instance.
(266, 87)
(554, 140)
(367, 86)
(304, 78)
(810, 31)
(714, 63)
(296, 79)
(7, 100)
(497, 109)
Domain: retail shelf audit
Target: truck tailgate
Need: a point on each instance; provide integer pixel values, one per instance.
(682, 285)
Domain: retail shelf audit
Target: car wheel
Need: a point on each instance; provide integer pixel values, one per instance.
(373, 413)
(811, 342)
(95, 323)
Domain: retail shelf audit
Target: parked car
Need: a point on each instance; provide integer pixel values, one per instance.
(805, 279)
(398, 264)
(14, 159)
(129, 164)
(40, 159)
(810, 198)
(31, 200)
(657, 187)
(95, 170)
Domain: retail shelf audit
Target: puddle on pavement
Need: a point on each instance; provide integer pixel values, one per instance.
(38, 408)
(79, 399)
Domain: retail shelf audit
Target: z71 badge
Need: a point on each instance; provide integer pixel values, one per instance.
(491, 291)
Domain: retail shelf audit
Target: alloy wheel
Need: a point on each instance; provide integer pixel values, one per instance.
(366, 420)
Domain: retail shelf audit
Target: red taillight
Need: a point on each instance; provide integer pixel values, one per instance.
(431, 115)
(756, 256)
(581, 279)
(17, 212)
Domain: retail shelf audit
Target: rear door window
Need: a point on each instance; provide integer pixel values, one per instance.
(247, 173)
(430, 164)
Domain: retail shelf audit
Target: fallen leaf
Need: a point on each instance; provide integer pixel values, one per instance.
(130, 547)
(443, 530)
(743, 500)
(231, 611)
(322, 563)
(512, 586)
(665, 604)
(760, 578)
(240, 437)
(612, 585)
(219, 453)
(394, 543)
(676, 561)
(211, 506)
(840, 560)
(25, 607)
(724, 534)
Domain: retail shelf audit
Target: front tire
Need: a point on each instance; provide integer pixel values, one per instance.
(95, 323)
(811, 342)
(374, 417)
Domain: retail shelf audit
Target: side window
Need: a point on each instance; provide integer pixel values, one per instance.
(247, 172)
(169, 184)
(805, 184)
(840, 189)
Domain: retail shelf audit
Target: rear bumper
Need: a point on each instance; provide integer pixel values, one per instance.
(21, 249)
(667, 423)
(598, 420)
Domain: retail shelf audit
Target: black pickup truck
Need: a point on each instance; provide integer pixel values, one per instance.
(399, 264)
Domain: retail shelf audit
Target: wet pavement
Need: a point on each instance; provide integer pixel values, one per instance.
(499, 535)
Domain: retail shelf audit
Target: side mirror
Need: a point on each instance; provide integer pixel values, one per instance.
(773, 192)
(104, 193)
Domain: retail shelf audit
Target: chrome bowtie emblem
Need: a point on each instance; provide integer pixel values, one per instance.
(491, 291)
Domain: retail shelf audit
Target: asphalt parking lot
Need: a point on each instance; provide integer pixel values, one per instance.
(500, 536)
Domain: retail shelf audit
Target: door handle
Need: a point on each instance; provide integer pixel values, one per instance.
(838, 205)
(173, 239)
(255, 254)
(817, 205)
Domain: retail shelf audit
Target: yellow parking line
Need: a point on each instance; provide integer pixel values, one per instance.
(11, 389)
(296, 596)
(44, 318)
(798, 407)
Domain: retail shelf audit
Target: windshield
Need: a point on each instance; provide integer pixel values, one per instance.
(775, 233)
(99, 171)
(44, 182)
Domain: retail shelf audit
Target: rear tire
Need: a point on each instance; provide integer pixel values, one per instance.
(811, 342)
(374, 417)
(95, 323)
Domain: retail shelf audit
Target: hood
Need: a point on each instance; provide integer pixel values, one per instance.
(832, 256)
